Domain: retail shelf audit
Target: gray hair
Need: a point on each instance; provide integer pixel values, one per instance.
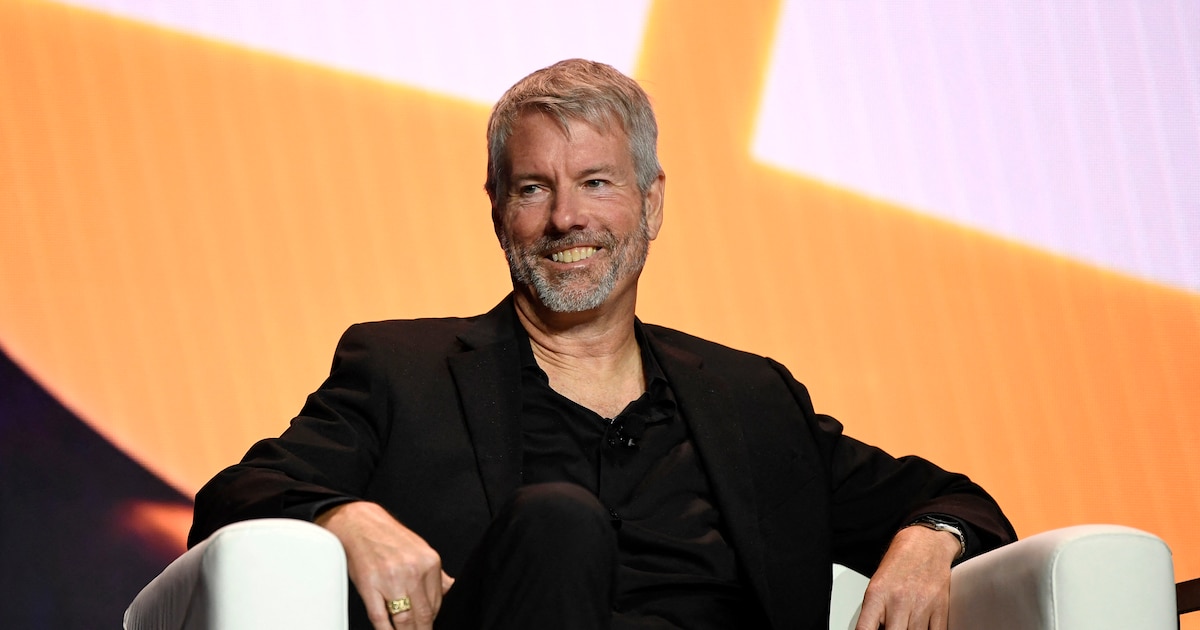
(572, 90)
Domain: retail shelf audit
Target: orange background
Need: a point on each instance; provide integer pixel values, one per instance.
(187, 226)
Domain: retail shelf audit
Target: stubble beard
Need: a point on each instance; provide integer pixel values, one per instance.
(577, 290)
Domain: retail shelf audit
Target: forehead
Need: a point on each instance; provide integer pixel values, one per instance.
(538, 137)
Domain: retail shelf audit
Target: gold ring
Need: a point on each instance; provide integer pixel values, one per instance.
(397, 606)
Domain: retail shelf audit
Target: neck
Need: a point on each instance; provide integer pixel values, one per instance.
(601, 332)
(592, 349)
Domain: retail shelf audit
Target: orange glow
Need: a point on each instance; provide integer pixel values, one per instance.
(186, 228)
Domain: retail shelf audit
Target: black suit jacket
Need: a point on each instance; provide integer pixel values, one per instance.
(422, 417)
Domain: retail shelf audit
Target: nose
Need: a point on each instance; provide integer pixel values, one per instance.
(566, 214)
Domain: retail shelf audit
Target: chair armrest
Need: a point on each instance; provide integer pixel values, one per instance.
(1087, 577)
(845, 602)
(267, 573)
(1093, 577)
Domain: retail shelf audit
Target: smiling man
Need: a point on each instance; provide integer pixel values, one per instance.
(556, 463)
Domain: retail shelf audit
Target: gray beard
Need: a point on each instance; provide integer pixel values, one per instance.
(577, 290)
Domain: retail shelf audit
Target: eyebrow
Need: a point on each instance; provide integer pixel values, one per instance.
(586, 173)
(602, 168)
(516, 177)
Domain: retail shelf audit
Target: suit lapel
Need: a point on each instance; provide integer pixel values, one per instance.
(716, 429)
(487, 375)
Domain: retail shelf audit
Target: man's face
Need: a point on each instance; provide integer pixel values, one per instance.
(573, 224)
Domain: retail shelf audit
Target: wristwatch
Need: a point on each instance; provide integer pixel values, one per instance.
(944, 525)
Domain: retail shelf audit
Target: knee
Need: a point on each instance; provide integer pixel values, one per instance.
(558, 510)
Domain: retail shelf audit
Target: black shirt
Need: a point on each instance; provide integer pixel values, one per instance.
(676, 568)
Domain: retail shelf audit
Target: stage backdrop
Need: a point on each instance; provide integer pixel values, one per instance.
(970, 228)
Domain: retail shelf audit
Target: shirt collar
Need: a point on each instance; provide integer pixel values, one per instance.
(651, 370)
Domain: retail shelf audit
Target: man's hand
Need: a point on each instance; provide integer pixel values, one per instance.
(911, 588)
(387, 561)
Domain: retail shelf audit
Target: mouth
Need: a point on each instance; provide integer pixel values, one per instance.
(574, 254)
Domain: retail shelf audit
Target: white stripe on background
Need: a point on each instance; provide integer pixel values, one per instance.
(473, 50)
(1070, 126)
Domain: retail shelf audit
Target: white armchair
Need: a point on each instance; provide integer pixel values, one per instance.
(1087, 577)
(254, 575)
(278, 573)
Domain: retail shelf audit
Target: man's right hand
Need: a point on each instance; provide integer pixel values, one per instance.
(388, 561)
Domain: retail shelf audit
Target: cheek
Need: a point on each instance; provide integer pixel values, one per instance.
(522, 224)
(628, 220)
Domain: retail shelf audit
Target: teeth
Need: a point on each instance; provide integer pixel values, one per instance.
(574, 254)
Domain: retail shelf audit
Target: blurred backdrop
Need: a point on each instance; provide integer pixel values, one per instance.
(972, 229)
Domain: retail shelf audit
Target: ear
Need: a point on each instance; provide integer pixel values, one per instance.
(498, 215)
(653, 204)
(497, 225)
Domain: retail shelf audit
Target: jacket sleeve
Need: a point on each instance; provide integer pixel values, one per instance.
(325, 457)
(873, 494)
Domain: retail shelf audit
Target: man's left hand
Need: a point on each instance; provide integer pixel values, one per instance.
(911, 588)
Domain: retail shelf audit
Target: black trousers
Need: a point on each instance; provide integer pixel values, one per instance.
(549, 560)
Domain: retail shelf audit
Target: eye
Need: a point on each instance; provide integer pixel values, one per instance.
(595, 183)
(528, 190)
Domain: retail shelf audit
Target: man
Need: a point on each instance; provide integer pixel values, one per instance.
(571, 467)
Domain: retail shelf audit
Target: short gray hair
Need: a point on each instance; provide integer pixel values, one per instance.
(572, 90)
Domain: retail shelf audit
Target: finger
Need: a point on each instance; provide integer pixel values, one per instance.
(405, 620)
(447, 582)
(939, 620)
(919, 619)
(931, 612)
(935, 616)
(432, 583)
(422, 617)
(900, 618)
(426, 599)
(377, 611)
(871, 615)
